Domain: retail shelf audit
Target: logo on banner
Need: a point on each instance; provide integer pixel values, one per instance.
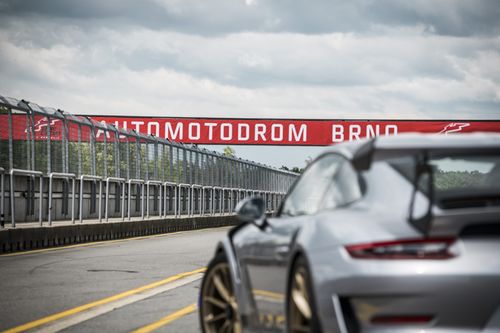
(39, 125)
(42, 124)
(454, 128)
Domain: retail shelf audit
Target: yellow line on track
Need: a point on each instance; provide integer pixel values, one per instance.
(167, 319)
(268, 294)
(88, 306)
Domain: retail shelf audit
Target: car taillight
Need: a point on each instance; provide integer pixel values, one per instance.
(428, 248)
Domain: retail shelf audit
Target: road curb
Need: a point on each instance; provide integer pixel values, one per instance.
(22, 239)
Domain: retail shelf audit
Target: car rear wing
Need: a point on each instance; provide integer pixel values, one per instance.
(423, 182)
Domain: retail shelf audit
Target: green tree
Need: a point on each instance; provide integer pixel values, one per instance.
(229, 151)
(294, 169)
(445, 180)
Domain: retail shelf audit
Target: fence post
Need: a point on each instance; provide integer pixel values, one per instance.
(2, 199)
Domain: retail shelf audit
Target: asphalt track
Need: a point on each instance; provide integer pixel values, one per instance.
(144, 284)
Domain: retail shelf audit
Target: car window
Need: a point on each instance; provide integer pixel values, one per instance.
(344, 188)
(308, 194)
(455, 173)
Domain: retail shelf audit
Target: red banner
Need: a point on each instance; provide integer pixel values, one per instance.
(286, 132)
(257, 131)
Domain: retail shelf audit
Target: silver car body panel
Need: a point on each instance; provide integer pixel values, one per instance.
(461, 293)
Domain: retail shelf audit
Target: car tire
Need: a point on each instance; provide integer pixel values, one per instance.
(218, 309)
(301, 311)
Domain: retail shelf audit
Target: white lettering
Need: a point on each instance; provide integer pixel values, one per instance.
(157, 128)
(372, 132)
(354, 132)
(337, 133)
(174, 135)
(229, 135)
(210, 130)
(276, 132)
(100, 131)
(137, 125)
(240, 132)
(124, 126)
(194, 130)
(391, 130)
(294, 136)
(260, 130)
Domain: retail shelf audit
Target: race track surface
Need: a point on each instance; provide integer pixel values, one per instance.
(145, 284)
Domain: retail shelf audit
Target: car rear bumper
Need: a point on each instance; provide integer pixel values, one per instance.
(461, 305)
(402, 296)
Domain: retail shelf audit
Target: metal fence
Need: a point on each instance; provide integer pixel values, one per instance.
(50, 158)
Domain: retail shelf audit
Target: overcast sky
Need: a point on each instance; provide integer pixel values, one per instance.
(255, 58)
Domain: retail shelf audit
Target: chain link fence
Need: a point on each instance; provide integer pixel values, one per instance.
(66, 146)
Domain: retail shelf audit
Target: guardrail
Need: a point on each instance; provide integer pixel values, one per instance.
(73, 194)
(209, 189)
(120, 181)
(137, 182)
(196, 190)
(187, 196)
(33, 174)
(2, 197)
(173, 199)
(219, 197)
(159, 185)
(83, 178)
(169, 187)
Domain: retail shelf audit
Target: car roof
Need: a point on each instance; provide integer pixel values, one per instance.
(412, 143)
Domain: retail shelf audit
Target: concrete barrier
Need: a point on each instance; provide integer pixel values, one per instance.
(22, 239)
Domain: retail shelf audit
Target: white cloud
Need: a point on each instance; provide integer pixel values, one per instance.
(385, 72)
(254, 60)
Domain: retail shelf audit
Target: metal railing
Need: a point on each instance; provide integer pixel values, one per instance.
(193, 202)
(218, 195)
(186, 198)
(196, 198)
(137, 182)
(168, 188)
(157, 184)
(83, 178)
(51, 140)
(29, 173)
(71, 176)
(120, 181)
(2, 197)
(210, 190)
(56, 146)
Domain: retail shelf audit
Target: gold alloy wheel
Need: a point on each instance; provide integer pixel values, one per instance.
(300, 308)
(219, 311)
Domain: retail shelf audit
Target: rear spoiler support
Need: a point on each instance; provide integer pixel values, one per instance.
(423, 168)
(363, 159)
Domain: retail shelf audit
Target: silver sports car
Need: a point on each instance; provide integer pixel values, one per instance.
(394, 234)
